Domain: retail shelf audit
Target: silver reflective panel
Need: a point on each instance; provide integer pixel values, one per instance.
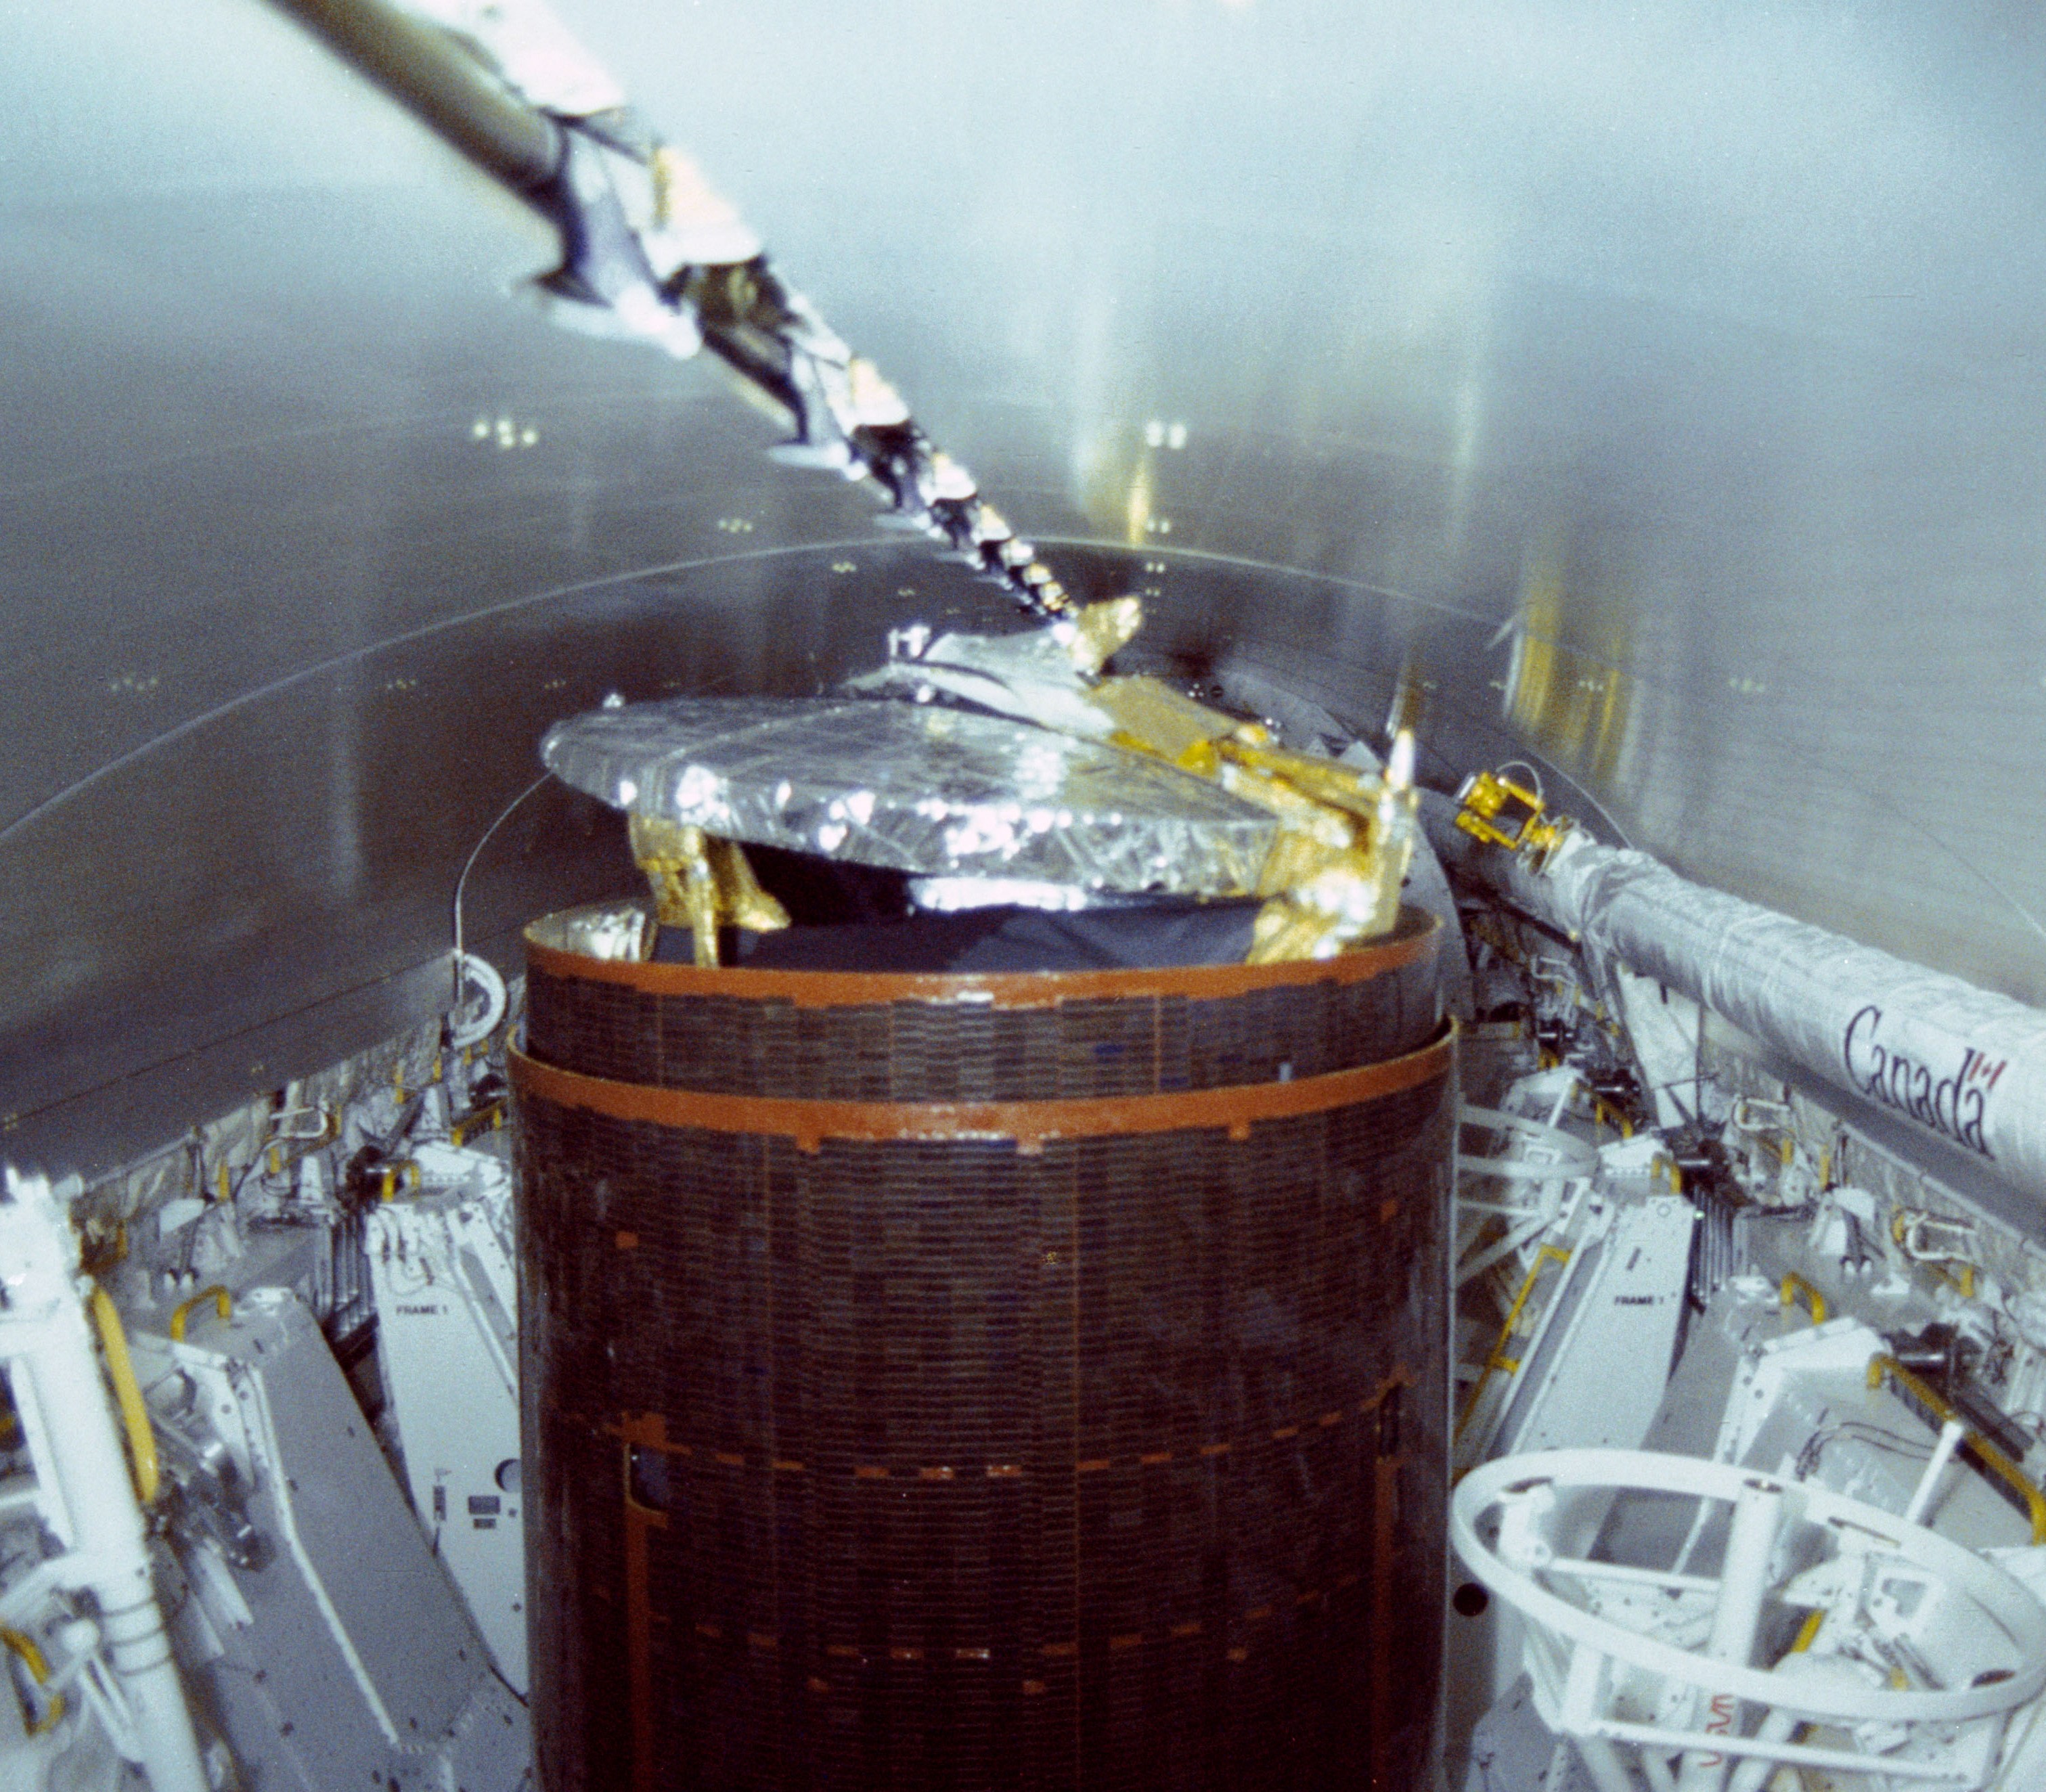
(914, 787)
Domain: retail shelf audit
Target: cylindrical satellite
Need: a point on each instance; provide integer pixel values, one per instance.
(1029, 1380)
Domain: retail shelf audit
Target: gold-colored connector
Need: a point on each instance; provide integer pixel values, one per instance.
(1495, 810)
(702, 882)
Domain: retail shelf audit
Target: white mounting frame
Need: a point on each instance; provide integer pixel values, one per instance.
(1572, 1652)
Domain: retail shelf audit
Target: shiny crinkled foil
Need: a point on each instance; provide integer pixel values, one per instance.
(917, 788)
(616, 932)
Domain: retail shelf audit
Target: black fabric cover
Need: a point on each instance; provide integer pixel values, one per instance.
(1158, 933)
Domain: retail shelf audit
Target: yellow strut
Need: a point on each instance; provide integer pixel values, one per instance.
(134, 1415)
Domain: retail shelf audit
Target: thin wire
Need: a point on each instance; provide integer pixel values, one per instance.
(468, 864)
(1860, 1431)
(355, 656)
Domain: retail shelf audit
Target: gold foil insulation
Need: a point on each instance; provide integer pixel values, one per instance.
(702, 882)
(1346, 837)
(1334, 872)
(1099, 629)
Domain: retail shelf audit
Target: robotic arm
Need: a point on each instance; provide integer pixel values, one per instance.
(651, 252)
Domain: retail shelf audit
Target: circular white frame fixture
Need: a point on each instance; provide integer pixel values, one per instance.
(1791, 1693)
(467, 1024)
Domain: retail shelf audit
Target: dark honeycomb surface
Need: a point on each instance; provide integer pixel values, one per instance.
(937, 1463)
(961, 1051)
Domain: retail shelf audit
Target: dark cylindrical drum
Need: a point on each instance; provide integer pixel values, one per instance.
(1028, 1381)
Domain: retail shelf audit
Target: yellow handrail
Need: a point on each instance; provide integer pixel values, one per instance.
(1604, 1116)
(1497, 1358)
(1814, 1302)
(1992, 1459)
(223, 1308)
(134, 1415)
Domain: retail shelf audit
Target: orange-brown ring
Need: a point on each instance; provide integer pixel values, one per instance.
(1029, 1124)
(1417, 936)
